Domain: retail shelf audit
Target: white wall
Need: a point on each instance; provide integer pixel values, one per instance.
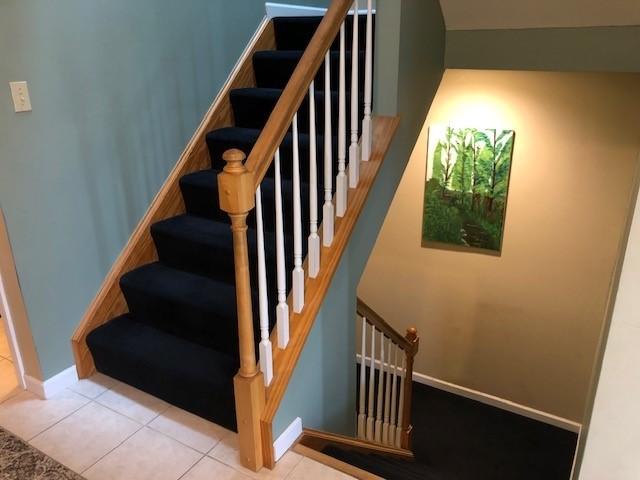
(613, 442)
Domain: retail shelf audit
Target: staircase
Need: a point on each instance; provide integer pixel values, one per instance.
(237, 251)
(179, 340)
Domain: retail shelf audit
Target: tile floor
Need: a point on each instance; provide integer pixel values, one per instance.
(8, 380)
(104, 429)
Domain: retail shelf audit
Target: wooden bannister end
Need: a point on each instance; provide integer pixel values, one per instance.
(235, 184)
(237, 199)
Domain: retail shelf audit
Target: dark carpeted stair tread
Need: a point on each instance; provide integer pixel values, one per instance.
(223, 139)
(190, 306)
(295, 33)
(205, 247)
(381, 465)
(200, 192)
(253, 106)
(273, 68)
(186, 374)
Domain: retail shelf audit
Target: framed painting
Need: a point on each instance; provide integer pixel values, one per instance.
(466, 188)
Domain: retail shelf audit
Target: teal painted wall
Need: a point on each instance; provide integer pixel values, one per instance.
(322, 389)
(593, 49)
(118, 87)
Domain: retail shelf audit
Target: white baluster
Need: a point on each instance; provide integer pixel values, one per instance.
(372, 380)
(354, 149)
(379, 405)
(298, 272)
(266, 353)
(282, 310)
(342, 180)
(314, 238)
(403, 375)
(368, 87)
(327, 209)
(394, 397)
(387, 397)
(362, 416)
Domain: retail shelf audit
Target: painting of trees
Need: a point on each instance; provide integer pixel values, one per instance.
(466, 187)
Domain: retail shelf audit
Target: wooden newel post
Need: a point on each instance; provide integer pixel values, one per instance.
(405, 439)
(237, 198)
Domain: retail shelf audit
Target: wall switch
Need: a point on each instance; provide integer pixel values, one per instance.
(20, 94)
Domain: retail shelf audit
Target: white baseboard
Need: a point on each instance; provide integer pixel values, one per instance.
(275, 9)
(492, 400)
(286, 10)
(54, 385)
(287, 438)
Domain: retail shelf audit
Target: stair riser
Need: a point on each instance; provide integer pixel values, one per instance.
(275, 72)
(217, 147)
(217, 263)
(253, 111)
(182, 320)
(295, 34)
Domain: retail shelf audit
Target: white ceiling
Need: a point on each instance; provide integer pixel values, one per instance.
(496, 14)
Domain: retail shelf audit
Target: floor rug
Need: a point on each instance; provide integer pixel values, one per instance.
(20, 461)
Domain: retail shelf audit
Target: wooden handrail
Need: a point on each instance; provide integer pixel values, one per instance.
(409, 345)
(296, 90)
(373, 318)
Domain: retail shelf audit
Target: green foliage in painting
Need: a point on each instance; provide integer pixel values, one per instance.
(466, 190)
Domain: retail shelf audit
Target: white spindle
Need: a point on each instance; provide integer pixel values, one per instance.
(266, 353)
(314, 238)
(298, 272)
(401, 403)
(387, 397)
(372, 381)
(282, 310)
(379, 405)
(327, 209)
(394, 398)
(362, 416)
(368, 87)
(342, 180)
(354, 149)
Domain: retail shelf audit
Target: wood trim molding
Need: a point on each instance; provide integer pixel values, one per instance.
(139, 250)
(317, 440)
(334, 463)
(284, 361)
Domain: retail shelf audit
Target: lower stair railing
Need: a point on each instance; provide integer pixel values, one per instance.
(240, 192)
(385, 381)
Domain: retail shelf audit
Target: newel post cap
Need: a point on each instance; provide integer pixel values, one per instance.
(235, 184)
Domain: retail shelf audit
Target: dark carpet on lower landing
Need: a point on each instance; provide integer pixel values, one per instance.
(460, 439)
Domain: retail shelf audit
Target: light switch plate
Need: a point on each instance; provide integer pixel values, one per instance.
(20, 94)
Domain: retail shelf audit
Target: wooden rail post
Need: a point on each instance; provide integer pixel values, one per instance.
(237, 198)
(405, 436)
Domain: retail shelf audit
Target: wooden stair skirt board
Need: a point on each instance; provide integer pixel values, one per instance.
(139, 250)
(284, 361)
(318, 441)
(334, 463)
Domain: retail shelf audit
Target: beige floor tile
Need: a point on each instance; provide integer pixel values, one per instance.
(94, 386)
(189, 429)
(5, 349)
(147, 455)
(84, 437)
(227, 452)
(26, 415)
(309, 469)
(8, 382)
(210, 469)
(133, 403)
